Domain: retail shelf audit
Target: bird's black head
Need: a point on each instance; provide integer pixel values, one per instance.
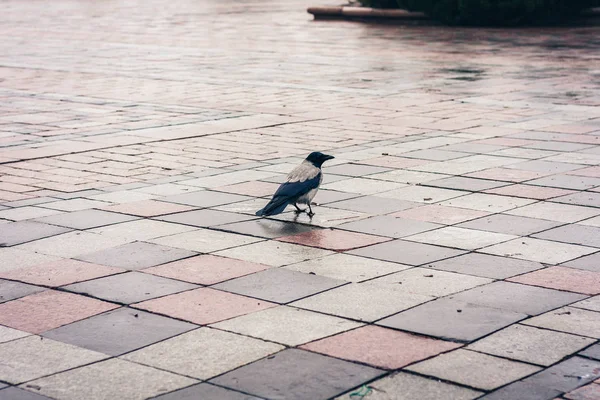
(317, 158)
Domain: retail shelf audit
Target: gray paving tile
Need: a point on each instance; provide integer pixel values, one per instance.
(14, 233)
(404, 252)
(205, 391)
(487, 266)
(590, 263)
(3, 386)
(435, 154)
(326, 196)
(385, 225)
(10, 290)
(131, 287)
(119, 331)
(592, 352)
(374, 205)
(550, 167)
(589, 199)
(523, 391)
(519, 298)
(13, 393)
(279, 285)
(567, 375)
(464, 183)
(567, 182)
(574, 233)
(451, 319)
(267, 228)
(353, 170)
(86, 219)
(297, 375)
(510, 224)
(136, 255)
(205, 218)
(205, 198)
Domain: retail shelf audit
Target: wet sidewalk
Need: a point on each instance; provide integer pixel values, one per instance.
(455, 250)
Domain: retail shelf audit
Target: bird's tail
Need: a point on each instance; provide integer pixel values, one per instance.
(275, 206)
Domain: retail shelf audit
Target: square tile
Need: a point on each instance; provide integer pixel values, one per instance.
(510, 224)
(131, 287)
(474, 369)
(592, 352)
(532, 345)
(461, 238)
(136, 255)
(465, 183)
(325, 217)
(10, 290)
(205, 198)
(567, 375)
(529, 192)
(299, 374)
(408, 177)
(333, 239)
(543, 251)
(354, 170)
(267, 228)
(373, 205)
(205, 218)
(147, 208)
(574, 233)
(487, 202)
(14, 258)
(119, 331)
(555, 212)
(422, 194)
(440, 214)
(14, 393)
(27, 212)
(545, 166)
(362, 186)
(582, 198)
(205, 391)
(346, 267)
(363, 301)
(453, 320)
(523, 390)
(404, 386)
(59, 273)
(143, 229)
(279, 285)
(47, 310)
(518, 298)
(204, 305)
(7, 334)
(72, 244)
(204, 240)
(404, 252)
(563, 278)
(287, 325)
(486, 265)
(432, 283)
(570, 320)
(111, 379)
(14, 233)
(279, 253)
(588, 392)
(380, 347)
(31, 357)
(203, 353)
(567, 182)
(589, 263)
(386, 225)
(86, 219)
(253, 188)
(591, 303)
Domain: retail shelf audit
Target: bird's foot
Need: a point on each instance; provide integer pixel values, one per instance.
(310, 214)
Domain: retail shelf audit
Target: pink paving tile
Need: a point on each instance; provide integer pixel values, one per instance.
(381, 347)
(256, 188)
(506, 174)
(593, 172)
(588, 392)
(563, 278)
(333, 239)
(59, 273)
(204, 305)
(148, 208)
(48, 310)
(571, 128)
(503, 141)
(394, 162)
(206, 269)
(440, 214)
(530, 192)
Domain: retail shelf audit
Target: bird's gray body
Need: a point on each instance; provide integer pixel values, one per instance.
(302, 173)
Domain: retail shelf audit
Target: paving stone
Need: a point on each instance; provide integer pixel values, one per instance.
(119, 331)
(582, 198)
(141, 230)
(389, 226)
(592, 352)
(545, 166)
(111, 379)
(287, 325)
(10, 290)
(523, 390)
(71, 244)
(373, 204)
(353, 170)
(13, 393)
(464, 183)
(205, 391)
(333, 239)
(363, 186)
(13, 258)
(570, 320)
(59, 273)
(267, 228)
(75, 204)
(474, 369)
(510, 224)
(40, 312)
(204, 240)
(567, 182)
(27, 212)
(589, 263)
(487, 202)
(325, 217)
(441, 318)
(589, 392)
(347, 268)
(32, 357)
(254, 188)
(440, 214)
(405, 252)
(574, 233)
(566, 213)
(137, 255)
(298, 374)
(462, 238)
(380, 347)
(591, 303)
(279, 285)
(529, 192)
(203, 353)
(205, 218)
(205, 198)
(279, 253)
(422, 194)
(543, 251)
(532, 345)
(14, 233)
(518, 298)
(485, 265)
(204, 305)
(131, 287)
(86, 219)
(562, 278)
(8, 334)
(567, 375)
(147, 208)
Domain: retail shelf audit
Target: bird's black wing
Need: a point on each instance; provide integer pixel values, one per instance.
(287, 193)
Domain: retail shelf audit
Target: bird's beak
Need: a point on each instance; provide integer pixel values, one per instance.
(328, 158)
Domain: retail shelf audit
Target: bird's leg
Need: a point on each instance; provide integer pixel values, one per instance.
(298, 209)
(310, 212)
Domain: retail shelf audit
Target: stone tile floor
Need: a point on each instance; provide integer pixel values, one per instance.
(455, 252)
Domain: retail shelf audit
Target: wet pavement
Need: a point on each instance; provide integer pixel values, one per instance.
(455, 250)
